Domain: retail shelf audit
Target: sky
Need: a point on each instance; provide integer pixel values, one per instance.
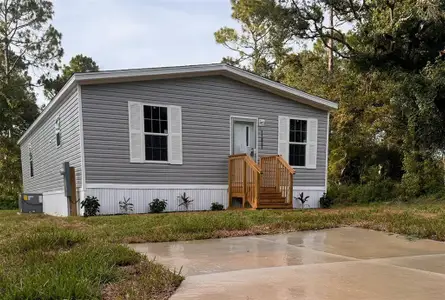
(121, 34)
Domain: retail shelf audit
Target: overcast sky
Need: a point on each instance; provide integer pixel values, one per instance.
(142, 33)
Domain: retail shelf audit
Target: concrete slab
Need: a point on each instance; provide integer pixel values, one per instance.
(335, 281)
(429, 263)
(231, 254)
(342, 263)
(359, 243)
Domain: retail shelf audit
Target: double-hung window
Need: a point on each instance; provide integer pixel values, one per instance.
(155, 133)
(297, 141)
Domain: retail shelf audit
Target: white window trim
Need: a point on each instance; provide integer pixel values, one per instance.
(298, 143)
(311, 142)
(143, 134)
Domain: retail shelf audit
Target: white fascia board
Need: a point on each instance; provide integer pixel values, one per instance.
(323, 103)
(71, 83)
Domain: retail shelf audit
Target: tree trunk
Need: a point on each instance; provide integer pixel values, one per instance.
(331, 42)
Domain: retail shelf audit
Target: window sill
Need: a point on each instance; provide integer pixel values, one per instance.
(150, 162)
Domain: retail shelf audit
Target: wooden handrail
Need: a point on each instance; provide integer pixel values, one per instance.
(244, 179)
(286, 164)
(278, 174)
(248, 160)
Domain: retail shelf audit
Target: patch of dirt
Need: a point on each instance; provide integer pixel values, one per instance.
(255, 230)
(143, 281)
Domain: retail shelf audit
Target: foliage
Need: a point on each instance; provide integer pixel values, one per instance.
(380, 191)
(27, 37)
(27, 41)
(126, 206)
(216, 206)
(302, 199)
(157, 205)
(326, 201)
(261, 43)
(185, 201)
(7, 203)
(91, 205)
(78, 64)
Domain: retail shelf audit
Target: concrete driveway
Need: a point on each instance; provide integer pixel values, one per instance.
(343, 263)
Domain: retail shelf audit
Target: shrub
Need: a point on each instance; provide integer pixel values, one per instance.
(302, 199)
(325, 201)
(216, 206)
(126, 206)
(9, 202)
(157, 206)
(91, 205)
(376, 191)
(185, 201)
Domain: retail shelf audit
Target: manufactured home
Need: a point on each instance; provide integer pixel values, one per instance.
(215, 132)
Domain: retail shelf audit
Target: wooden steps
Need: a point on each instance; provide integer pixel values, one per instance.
(268, 185)
(274, 206)
(271, 199)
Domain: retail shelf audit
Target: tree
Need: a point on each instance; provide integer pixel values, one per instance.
(27, 38)
(402, 33)
(27, 41)
(261, 44)
(77, 64)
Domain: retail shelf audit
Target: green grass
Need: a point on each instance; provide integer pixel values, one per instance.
(43, 257)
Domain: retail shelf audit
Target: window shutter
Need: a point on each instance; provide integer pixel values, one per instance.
(311, 148)
(175, 135)
(135, 126)
(283, 137)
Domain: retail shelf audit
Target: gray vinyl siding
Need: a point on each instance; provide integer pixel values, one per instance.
(207, 104)
(48, 158)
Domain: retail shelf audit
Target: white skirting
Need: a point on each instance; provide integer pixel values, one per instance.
(314, 193)
(141, 195)
(55, 203)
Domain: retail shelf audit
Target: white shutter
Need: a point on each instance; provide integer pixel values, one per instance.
(175, 135)
(283, 137)
(135, 126)
(311, 148)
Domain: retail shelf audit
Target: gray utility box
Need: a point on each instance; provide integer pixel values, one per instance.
(31, 203)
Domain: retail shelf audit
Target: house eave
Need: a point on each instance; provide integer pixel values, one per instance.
(116, 76)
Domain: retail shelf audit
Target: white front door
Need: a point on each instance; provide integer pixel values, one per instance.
(244, 138)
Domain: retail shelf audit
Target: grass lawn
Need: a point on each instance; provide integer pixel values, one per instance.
(46, 257)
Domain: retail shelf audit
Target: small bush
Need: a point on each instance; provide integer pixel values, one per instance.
(157, 206)
(126, 206)
(91, 205)
(302, 199)
(325, 201)
(185, 201)
(216, 206)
